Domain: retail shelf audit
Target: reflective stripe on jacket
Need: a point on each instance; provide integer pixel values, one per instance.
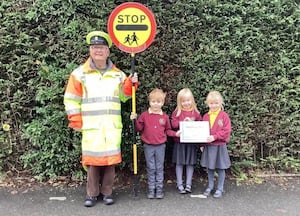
(93, 104)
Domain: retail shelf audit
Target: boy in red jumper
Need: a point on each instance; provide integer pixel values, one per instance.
(154, 126)
(215, 155)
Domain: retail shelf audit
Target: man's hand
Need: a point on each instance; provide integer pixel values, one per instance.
(77, 129)
(134, 78)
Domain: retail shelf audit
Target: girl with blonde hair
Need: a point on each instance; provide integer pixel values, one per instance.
(184, 154)
(215, 156)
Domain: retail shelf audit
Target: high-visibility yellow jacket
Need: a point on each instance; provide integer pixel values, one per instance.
(93, 104)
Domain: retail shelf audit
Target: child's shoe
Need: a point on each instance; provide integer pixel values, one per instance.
(159, 194)
(151, 194)
(218, 194)
(181, 190)
(207, 192)
(188, 189)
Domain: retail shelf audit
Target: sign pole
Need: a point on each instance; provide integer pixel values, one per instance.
(135, 168)
(132, 28)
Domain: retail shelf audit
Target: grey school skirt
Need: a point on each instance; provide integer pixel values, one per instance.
(215, 157)
(185, 153)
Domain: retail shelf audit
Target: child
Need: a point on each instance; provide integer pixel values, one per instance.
(154, 126)
(184, 153)
(215, 155)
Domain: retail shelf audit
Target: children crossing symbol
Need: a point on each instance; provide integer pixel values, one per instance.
(131, 39)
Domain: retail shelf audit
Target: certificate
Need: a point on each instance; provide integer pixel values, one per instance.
(194, 131)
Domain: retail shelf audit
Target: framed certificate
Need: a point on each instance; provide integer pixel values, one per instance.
(194, 131)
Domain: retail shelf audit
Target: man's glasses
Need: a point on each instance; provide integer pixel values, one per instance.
(98, 47)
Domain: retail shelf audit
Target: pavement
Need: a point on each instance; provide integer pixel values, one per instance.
(270, 198)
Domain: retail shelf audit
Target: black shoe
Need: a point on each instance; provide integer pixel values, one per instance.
(181, 190)
(108, 200)
(90, 201)
(159, 195)
(151, 194)
(218, 194)
(188, 189)
(207, 192)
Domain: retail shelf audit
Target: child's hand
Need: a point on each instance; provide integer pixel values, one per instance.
(178, 133)
(201, 148)
(133, 116)
(210, 139)
(188, 119)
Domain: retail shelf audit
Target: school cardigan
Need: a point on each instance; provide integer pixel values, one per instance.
(221, 128)
(154, 128)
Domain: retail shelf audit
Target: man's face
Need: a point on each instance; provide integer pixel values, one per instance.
(99, 52)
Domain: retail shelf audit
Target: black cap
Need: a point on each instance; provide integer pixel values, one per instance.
(98, 40)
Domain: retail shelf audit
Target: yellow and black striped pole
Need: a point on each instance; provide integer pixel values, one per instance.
(135, 166)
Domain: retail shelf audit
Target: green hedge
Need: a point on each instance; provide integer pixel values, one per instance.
(248, 50)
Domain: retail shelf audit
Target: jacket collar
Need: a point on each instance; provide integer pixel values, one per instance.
(89, 66)
(150, 112)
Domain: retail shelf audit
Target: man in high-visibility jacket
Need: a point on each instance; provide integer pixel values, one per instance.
(93, 104)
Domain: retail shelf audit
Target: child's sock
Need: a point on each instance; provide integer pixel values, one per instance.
(189, 174)
(221, 179)
(211, 173)
(179, 171)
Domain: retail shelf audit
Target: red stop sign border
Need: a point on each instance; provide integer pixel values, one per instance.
(111, 31)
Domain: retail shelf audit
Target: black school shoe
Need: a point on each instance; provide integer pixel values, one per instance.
(181, 190)
(90, 201)
(218, 194)
(188, 189)
(108, 199)
(159, 194)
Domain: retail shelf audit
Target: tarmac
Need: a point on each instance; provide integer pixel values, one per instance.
(270, 198)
